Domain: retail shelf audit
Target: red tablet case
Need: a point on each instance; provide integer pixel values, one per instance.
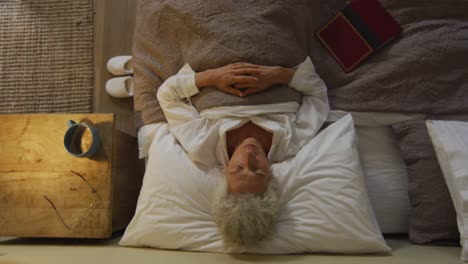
(357, 31)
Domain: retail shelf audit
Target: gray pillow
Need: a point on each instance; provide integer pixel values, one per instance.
(432, 214)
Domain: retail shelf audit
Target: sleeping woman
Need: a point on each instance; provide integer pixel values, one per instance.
(244, 140)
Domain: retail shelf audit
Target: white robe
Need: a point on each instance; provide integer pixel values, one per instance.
(203, 134)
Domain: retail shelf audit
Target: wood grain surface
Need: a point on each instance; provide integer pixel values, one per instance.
(44, 191)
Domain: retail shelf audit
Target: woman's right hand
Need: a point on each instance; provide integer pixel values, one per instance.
(225, 78)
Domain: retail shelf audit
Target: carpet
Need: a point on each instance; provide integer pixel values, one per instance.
(46, 56)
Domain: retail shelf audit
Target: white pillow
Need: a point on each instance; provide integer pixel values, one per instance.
(324, 201)
(385, 176)
(450, 141)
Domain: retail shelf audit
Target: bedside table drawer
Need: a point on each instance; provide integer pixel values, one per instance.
(46, 192)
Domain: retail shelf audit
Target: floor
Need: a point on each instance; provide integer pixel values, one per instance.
(70, 251)
(113, 32)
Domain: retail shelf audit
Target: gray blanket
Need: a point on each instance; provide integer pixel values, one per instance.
(423, 71)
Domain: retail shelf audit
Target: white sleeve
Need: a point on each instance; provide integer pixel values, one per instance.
(173, 94)
(314, 108)
(193, 132)
(307, 81)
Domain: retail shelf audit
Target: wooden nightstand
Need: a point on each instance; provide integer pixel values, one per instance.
(45, 192)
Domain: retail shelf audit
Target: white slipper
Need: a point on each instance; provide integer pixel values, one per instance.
(120, 87)
(120, 65)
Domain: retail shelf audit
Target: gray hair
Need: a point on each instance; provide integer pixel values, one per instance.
(245, 218)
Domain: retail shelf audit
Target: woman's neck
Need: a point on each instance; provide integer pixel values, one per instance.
(249, 130)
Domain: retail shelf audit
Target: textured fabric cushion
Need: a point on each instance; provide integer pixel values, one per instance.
(450, 140)
(324, 203)
(432, 215)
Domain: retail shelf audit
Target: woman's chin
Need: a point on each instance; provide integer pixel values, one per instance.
(251, 140)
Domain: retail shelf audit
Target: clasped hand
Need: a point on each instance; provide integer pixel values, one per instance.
(243, 78)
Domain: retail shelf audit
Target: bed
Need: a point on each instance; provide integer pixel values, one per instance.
(421, 75)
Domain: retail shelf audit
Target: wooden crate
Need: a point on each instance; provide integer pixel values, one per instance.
(45, 192)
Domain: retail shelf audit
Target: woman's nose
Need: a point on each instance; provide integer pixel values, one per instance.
(251, 160)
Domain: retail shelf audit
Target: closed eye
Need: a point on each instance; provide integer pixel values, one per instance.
(236, 169)
(260, 173)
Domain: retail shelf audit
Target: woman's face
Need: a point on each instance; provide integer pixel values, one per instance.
(248, 170)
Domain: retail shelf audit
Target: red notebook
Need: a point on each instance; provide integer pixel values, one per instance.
(357, 31)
